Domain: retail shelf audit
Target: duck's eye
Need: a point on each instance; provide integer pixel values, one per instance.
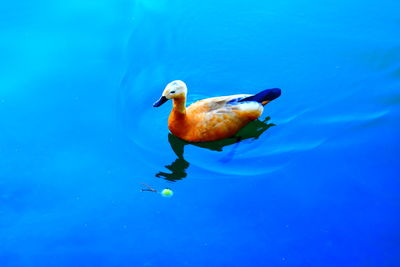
(172, 92)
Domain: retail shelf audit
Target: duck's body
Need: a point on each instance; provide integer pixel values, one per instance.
(212, 118)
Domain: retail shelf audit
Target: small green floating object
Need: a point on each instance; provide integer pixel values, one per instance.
(167, 192)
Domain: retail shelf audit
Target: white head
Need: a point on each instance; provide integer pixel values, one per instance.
(175, 89)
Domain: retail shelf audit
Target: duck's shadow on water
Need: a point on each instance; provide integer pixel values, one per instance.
(178, 168)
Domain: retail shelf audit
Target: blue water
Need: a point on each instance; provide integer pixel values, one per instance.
(314, 182)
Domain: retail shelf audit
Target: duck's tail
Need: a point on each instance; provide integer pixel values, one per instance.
(263, 97)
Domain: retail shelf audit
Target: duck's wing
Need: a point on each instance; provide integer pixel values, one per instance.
(216, 104)
(225, 108)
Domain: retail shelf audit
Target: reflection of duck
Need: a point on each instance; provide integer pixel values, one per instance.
(212, 118)
(178, 168)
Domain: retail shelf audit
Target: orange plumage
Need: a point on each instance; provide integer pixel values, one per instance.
(208, 119)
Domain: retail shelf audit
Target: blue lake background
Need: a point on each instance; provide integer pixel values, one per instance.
(78, 134)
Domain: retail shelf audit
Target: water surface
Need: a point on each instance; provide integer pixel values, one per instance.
(314, 182)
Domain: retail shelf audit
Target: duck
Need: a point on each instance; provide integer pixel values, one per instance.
(214, 118)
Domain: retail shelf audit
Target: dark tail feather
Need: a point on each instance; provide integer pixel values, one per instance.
(266, 95)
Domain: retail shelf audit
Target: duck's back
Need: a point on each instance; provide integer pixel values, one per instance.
(214, 118)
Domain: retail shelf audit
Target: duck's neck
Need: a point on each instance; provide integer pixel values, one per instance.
(179, 106)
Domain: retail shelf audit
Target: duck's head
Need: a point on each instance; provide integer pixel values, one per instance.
(173, 90)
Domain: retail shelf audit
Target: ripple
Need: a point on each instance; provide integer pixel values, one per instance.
(344, 118)
(284, 149)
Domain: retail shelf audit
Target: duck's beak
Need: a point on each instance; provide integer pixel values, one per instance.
(160, 101)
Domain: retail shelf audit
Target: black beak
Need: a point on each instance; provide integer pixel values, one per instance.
(160, 101)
